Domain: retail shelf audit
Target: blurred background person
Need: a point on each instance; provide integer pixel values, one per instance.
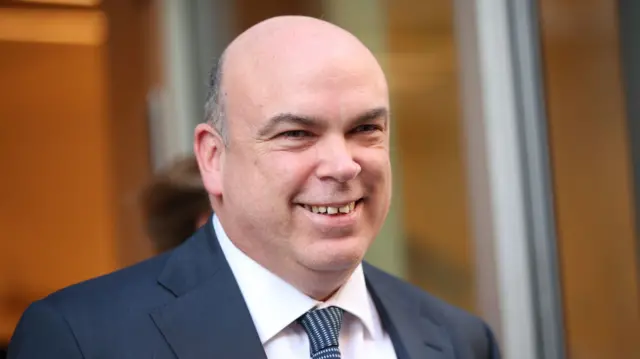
(175, 204)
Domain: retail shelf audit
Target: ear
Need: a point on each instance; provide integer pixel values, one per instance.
(208, 148)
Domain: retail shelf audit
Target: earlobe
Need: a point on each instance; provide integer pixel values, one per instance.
(209, 151)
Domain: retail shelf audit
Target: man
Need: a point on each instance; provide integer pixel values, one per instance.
(295, 157)
(175, 204)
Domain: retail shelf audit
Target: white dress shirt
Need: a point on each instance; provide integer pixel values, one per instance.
(275, 305)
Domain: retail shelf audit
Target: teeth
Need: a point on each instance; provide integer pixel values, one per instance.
(347, 208)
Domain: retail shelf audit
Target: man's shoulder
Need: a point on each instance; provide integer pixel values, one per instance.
(133, 286)
(137, 288)
(99, 315)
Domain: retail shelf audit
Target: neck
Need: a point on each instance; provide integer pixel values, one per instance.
(319, 285)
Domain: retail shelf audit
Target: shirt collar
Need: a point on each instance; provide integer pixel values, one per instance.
(274, 303)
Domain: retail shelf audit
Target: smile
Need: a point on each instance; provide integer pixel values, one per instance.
(332, 210)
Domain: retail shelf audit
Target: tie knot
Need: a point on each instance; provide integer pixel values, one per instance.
(323, 328)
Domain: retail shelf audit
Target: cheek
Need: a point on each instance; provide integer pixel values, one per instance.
(376, 165)
(377, 178)
(286, 169)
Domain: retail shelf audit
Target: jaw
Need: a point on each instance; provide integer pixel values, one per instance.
(320, 280)
(327, 285)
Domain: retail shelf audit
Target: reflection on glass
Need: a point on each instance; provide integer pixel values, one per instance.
(424, 79)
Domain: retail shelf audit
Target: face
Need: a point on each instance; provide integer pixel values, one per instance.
(305, 182)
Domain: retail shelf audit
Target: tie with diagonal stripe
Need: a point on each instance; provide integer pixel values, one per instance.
(323, 328)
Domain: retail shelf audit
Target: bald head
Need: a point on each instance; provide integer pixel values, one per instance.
(256, 63)
(288, 39)
(305, 129)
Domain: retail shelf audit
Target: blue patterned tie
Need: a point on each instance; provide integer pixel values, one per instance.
(323, 328)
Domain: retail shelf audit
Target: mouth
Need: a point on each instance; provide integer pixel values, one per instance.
(334, 209)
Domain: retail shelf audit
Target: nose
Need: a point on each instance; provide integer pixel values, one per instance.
(336, 162)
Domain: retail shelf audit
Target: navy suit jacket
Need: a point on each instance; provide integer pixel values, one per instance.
(186, 304)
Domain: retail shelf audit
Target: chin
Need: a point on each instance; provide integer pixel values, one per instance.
(334, 258)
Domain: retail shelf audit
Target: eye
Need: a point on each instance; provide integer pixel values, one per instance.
(367, 128)
(297, 134)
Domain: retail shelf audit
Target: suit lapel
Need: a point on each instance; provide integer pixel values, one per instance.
(208, 318)
(415, 335)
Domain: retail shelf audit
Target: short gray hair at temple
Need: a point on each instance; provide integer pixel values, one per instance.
(214, 108)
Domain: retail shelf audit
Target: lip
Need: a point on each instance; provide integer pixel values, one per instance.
(341, 221)
(333, 204)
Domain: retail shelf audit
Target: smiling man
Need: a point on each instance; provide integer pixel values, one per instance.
(294, 154)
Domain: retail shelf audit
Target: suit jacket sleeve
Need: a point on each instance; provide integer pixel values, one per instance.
(43, 333)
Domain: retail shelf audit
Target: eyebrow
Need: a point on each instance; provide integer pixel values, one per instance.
(314, 122)
(373, 114)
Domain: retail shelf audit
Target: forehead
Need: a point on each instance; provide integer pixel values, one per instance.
(334, 90)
